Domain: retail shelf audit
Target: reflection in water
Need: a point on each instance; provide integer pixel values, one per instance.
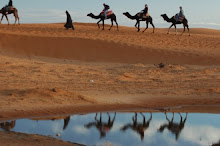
(175, 128)
(138, 127)
(7, 126)
(101, 126)
(143, 128)
(66, 122)
(216, 144)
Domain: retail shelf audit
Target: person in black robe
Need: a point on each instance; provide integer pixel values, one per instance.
(10, 3)
(69, 22)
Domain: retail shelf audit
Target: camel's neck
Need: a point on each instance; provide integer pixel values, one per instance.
(95, 17)
(167, 19)
(131, 17)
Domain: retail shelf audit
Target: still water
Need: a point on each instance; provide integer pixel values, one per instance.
(126, 129)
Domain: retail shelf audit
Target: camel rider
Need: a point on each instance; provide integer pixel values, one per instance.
(105, 10)
(180, 14)
(10, 4)
(144, 12)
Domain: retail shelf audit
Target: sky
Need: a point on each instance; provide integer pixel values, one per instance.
(200, 13)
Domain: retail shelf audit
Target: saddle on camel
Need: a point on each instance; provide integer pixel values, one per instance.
(142, 15)
(109, 13)
(8, 9)
(179, 18)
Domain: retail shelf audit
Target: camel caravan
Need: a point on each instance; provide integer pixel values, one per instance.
(179, 18)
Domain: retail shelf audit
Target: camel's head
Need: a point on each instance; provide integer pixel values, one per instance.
(164, 16)
(90, 14)
(126, 13)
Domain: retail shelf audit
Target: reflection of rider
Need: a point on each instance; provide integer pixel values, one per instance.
(180, 14)
(144, 11)
(105, 10)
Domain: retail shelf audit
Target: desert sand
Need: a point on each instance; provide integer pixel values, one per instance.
(47, 70)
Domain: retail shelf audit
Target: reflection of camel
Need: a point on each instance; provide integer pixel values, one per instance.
(7, 126)
(66, 120)
(175, 128)
(140, 128)
(102, 127)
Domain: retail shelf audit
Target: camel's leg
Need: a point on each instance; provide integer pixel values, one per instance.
(111, 25)
(1, 19)
(96, 116)
(153, 26)
(116, 24)
(169, 29)
(175, 28)
(188, 29)
(181, 118)
(185, 118)
(184, 28)
(172, 117)
(146, 26)
(98, 23)
(138, 26)
(167, 117)
(16, 18)
(103, 24)
(7, 19)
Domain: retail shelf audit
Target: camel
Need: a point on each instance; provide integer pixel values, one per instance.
(13, 10)
(175, 128)
(138, 127)
(173, 21)
(7, 126)
(102, 18)
(101, 126)
(136, 17)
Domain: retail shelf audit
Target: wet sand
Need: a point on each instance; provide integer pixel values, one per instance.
(47, 70)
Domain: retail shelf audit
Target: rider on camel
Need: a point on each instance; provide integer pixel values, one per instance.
(10, 4)
(144, 12)
(180, 14)
(105, 10)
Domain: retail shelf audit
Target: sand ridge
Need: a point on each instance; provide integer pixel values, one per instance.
(87, 43)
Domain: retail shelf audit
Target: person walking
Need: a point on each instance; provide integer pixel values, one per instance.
(69, 22)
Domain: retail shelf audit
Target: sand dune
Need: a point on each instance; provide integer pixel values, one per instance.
(47, 70)
(87, 43)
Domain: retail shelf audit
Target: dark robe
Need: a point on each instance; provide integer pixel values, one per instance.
(69, 22)
(10, 3)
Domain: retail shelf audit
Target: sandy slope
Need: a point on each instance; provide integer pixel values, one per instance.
(19, 139)
(90, 70)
